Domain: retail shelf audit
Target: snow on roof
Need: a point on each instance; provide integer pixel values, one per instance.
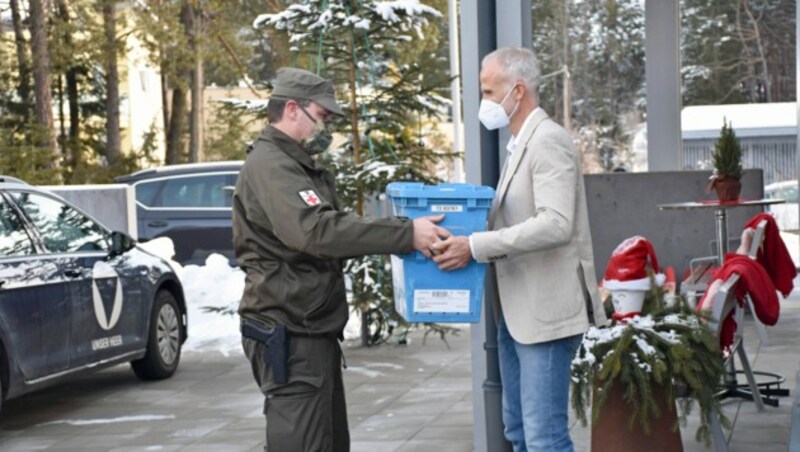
(748, 120)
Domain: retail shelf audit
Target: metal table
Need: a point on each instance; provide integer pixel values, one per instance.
(721, 215)
(732, 386)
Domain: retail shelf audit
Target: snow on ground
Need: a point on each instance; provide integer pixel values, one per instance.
(115, 420)
(217, 286)
(212, 293)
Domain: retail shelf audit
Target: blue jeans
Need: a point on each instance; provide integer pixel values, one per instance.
(536, 381)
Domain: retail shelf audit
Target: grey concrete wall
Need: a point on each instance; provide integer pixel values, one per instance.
(113, 205)
(622, 205)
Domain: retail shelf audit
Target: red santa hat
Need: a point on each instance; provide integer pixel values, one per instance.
(629, 264)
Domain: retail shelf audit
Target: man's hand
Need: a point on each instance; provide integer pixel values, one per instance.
(426, 234)
(453, 253)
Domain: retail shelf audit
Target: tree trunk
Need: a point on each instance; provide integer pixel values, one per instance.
(113, 146)
(179, 109)
(175, 132)
(74, 116)
(163, 59)
(24, 88)
(61, 119)
(356, 137)
(565, 79)
(70, 142)
(197, 115)
(164, 91)
(765, 76)
(41, 79)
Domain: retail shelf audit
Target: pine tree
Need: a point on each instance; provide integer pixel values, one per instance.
(710, 53)
(604, 76)
(737, 52)
(727, 155)
(113, 146)
(365, 48)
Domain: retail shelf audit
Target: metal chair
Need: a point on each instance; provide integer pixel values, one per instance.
(723, 303)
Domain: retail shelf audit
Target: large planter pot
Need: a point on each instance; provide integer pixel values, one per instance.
(727, 188)
(611, 432)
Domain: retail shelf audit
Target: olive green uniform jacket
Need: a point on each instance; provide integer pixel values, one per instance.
(291, 238)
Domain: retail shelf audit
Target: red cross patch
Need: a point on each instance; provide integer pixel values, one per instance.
(309, 197)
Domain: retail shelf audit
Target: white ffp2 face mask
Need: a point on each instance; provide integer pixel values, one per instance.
(492, 115)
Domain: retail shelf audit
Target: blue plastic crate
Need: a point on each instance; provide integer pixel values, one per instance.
(422, 292)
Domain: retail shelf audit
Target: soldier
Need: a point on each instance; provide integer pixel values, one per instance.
(290, 238)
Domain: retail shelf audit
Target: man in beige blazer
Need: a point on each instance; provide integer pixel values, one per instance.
(539, 244)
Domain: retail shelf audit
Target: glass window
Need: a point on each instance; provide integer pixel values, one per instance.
(63, 228)
(201, 191)
(14, 241)
(790, 194)
(146, 192)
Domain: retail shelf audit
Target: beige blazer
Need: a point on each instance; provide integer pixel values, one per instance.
(538, 238)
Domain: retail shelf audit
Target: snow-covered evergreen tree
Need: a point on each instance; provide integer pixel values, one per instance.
(601, 45)
(364, 47)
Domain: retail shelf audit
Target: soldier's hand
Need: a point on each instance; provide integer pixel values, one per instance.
(426, 233)
(453, 253)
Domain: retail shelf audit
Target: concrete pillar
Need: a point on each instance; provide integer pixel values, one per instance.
(481, 167)
(662, 67)
(486, 26)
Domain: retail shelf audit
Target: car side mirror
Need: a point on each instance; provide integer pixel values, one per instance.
(228, 190)
(120, 243)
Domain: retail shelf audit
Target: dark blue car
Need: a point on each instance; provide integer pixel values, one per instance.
(190, 204)
(76, 297)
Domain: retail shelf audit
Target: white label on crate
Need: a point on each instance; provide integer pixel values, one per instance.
(398, 281)
(447, 208)
(441, 301)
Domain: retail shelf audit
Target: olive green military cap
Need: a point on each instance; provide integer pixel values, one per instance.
(293, 83)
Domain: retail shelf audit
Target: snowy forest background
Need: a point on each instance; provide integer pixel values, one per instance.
(59, 80)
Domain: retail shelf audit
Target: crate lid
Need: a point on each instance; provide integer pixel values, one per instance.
(440, 191)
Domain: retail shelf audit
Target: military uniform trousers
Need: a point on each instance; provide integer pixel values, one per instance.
(308, 413)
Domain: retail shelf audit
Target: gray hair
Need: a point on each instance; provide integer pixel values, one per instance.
(517, 64)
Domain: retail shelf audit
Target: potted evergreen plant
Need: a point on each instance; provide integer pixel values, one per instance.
(727, 160)
(634, 373)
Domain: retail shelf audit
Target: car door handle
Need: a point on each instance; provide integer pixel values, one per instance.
(157, 224)
(73, 272)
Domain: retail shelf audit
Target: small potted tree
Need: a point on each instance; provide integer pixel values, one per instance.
(727, 160)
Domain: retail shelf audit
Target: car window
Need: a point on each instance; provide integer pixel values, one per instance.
(789, 194)
(14, 241)
(201, 191)
(63, 228)
(146, 192)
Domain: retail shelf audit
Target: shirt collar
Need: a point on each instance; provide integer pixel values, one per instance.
(512, 142)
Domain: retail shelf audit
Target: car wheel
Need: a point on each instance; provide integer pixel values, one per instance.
(163, 342)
